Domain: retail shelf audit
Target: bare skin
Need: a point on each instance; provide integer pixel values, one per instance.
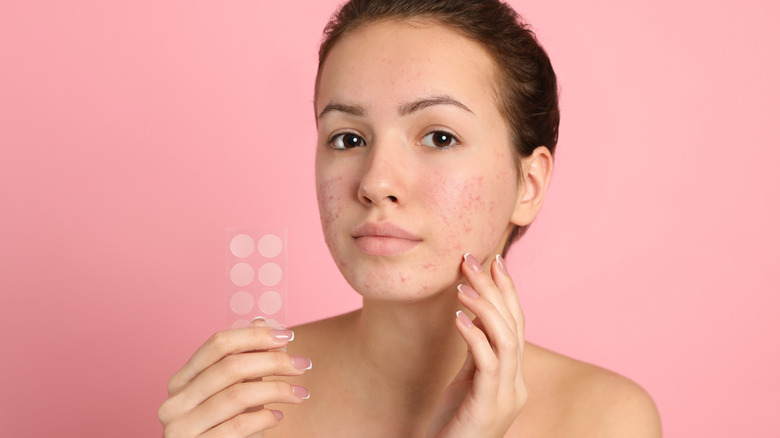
(417, 192)
(567, 398)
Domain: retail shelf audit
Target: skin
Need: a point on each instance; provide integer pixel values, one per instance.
(404, 365)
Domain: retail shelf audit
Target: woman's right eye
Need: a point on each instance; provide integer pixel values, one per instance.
(346, 140)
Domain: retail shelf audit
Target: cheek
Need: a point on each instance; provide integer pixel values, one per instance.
(330, 193)
(471, 208)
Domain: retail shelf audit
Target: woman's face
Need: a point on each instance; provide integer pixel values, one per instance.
(414, 163)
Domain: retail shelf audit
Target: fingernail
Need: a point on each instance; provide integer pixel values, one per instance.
(472, 262)
(464, 319)
(301, 392)
(258, 321)
(468, 291)
(501, 265)
(286, 335)
(301, 363)
(278, 414)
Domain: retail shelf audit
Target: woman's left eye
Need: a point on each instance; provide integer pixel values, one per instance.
(439, 139)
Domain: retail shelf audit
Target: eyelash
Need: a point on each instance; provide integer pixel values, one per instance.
(454, 141)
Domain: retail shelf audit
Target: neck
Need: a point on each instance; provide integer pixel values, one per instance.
(407, 353)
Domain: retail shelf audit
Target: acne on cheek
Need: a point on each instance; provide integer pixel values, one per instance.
(461, 203)
(329, 201)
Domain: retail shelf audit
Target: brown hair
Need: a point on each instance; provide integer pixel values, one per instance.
(526, 91)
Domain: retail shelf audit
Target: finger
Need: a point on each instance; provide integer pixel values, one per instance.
(485, 361)
(224, 343)
(503, 339)
(237, 398)
(235, 368)
(506, 286)
(246, 424)
(503, 336)
(482, 282)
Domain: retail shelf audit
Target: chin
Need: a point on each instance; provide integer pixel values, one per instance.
(393, 280)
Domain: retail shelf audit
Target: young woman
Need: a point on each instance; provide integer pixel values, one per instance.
(437, 122)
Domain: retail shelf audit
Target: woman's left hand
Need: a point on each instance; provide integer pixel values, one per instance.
(488, 393)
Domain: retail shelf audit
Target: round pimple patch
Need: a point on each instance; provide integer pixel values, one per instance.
(241, 274)
(270, 302)
(242, 302)
(241, 323)
(270, 245)
(270, 274)
(242, 245)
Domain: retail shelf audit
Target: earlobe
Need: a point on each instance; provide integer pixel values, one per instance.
(536, 170)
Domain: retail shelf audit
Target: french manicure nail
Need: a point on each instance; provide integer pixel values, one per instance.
(278, 414)
(300, 363)
(468, 291)
(301, 392)
(472, 262)
(501, 265)
(464, 319)
(286, 335)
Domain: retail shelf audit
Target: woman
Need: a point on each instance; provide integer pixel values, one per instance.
(437, 123)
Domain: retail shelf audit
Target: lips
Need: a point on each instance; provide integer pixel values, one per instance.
(384, 239)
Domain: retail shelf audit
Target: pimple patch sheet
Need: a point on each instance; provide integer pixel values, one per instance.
(256, 276)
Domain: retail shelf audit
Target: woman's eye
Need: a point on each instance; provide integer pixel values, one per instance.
(346, 141)
(439, 139)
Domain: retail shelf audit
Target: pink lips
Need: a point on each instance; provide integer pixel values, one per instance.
(384, 239)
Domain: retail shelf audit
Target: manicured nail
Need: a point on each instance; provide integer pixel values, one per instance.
(286, 335)
(301, 363)
(472, 262)
(501, 265)
(301, 392)
(258, 321)
(464, 319)
(278, 414)
(468, 291)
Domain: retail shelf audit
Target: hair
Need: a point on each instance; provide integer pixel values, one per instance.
(526, 89)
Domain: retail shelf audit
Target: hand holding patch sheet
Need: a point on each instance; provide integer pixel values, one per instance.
(256, 276)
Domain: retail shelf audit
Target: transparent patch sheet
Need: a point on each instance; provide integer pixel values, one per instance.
(256, 275)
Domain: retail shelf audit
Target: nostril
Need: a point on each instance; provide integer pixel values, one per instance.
(393, 198)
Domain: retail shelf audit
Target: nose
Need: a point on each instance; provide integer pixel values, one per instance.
(383, 179)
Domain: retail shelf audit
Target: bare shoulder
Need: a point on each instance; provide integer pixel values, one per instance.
(579, 399)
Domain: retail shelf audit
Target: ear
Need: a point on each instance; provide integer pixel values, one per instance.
(533, 179)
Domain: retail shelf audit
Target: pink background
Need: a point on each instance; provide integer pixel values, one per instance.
(133, 133)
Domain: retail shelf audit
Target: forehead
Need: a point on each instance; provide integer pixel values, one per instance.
(387, 63)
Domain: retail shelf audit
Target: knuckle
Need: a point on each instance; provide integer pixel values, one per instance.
(231, 365)
(508, 343)
(220, 341)
(172, 430)
(242, 424)
(173, 385)
(491, 367)
(237, 394)
(281, 360)
(164, 414)
(281, 387)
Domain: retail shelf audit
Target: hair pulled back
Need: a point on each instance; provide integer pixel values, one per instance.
(526, 90)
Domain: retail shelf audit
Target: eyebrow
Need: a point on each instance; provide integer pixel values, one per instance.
(353, 110)
(403, 110)
(420, 104)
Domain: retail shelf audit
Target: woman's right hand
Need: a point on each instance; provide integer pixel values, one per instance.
(220, 393)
